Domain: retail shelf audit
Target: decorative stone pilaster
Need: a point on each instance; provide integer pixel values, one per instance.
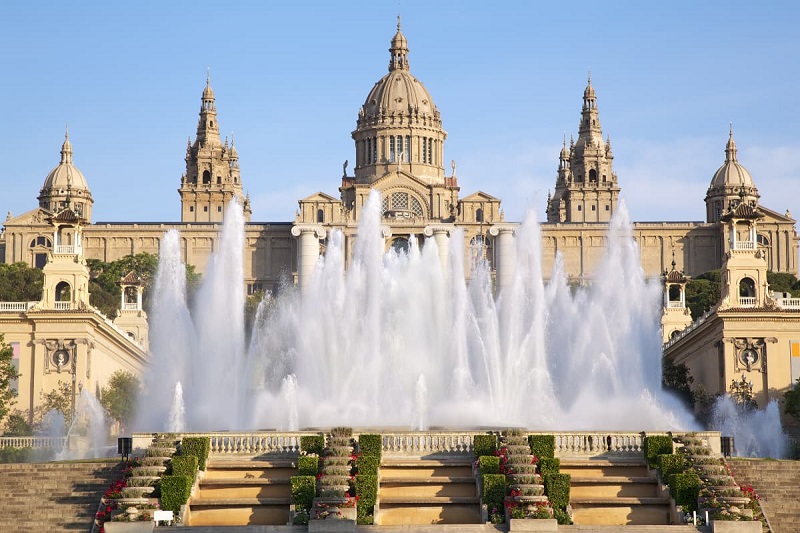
(505, 254)
(307, 251)
(441, 234)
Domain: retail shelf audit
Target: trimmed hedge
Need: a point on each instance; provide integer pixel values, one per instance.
(484, 444)
(669, 464)
(654, 446)
(16, 455)
(197, 446)
(312, 444)
(175, 491)
(368, 464)
(494, 490)
(367, 492)
(370, 444)
(489, 464)
(556, 486)
(686, 489)
(308, 465)
(185, 465)
(304, 488)
(543, 445)
(549, 465)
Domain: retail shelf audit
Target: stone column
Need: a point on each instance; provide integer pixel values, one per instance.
(440, 234)
(307, 251)
(505, 254)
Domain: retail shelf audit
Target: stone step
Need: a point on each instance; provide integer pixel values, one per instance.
(245, 464)
(426, 472)
(600, 488)
(238, 502)
(391, 478)
(620, 515)
(235, 491)
(626, 500)
(275, 473)
(412, 515)
(276, 515)
(225, 481)
(426, 490)
(425, 500)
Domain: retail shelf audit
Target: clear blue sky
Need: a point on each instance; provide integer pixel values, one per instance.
(289, 78)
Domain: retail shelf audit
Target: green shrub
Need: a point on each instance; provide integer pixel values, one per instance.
(370, 445)
(197, 446)
(175, 491)
(484, 444)
(669, 464)
(185, 465)
(312, 444)
(494, 490)
(304, 488)
(368, 464)
(489, 464)
(367, 492)
(341, 431)
(562, 517)
(685, 488)
(655, 445)
(16, 455)
(308, 465)
(543, 445)
(549, 465)
(556, 486)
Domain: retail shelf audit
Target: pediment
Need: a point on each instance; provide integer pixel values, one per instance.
(320, 197)
(400, 179)
(773, 216)
(34, 217)
(480, 196)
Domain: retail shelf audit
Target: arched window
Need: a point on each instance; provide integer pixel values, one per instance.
(747, 292)
(320, 215)
(479, 215)
(674, 293)
(400, 245)
(762, 240)
(219, 180)
(63, 292)
(206, 176)
(592, 176)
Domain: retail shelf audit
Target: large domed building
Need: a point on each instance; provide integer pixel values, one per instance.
(399, 142)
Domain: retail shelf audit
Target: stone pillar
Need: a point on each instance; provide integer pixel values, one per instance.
(505, 251)
(307, 251)
(441, 234)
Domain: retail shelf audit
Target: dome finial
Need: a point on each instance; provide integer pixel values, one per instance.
(208, 77)
(66, 148)
(398, 50)
(589, 76)
(398, 22)
(730, 148)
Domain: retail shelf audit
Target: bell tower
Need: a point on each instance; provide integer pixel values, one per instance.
(675, 316)
(212, 176)
(744, 265)
(586, 185)
(66, 277)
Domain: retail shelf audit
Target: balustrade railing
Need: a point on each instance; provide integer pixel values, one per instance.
(789, 303)
(33, 442)
(130, 307)
(744, 245)
(675, 304)
(747, 301)
(567, 443)
(67, 249)
(62, 306)
(15, 307)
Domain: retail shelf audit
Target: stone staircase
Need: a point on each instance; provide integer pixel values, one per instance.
(778, 484)
(243, 491)
(615, 492)
(53, 497)
(430, 490)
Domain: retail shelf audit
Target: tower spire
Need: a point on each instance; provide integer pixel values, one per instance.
(730, 148)
(66, 148)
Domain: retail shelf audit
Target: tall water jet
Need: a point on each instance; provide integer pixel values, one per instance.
(421, 404)
(756, 433)
(289, 393)
(87, 434)
(177, 418)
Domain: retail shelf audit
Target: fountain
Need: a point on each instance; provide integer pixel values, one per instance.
(177, 418)
(398, 340)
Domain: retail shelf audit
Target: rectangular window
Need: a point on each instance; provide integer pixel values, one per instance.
(424, 149)
(430, 151)
(219, 209)
(407, 150)
(608, 208)
(391, 148)
(580, 208)
(593, 208)
(374, 149)
(191, 209)
(205, 209)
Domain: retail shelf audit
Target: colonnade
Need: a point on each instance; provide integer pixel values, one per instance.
(505, 250)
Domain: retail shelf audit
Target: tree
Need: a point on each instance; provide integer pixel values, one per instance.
(678, 379)
(702, 293)
(58, 399)
(741, 392)
(783, 282)
(17, 425)
(20, 283)
(120, 396)
(8, 373)
(791, 401)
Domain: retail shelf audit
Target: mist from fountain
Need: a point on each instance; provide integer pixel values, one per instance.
(756, 433)
(177, 412)
(87, 434)
(356, 342)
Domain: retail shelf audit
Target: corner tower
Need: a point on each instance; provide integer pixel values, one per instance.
(212, 177)
(586, 186)
(399, 125)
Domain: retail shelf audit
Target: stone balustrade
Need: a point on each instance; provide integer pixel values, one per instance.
(33, 442)
(16, 307)
(567, 443)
